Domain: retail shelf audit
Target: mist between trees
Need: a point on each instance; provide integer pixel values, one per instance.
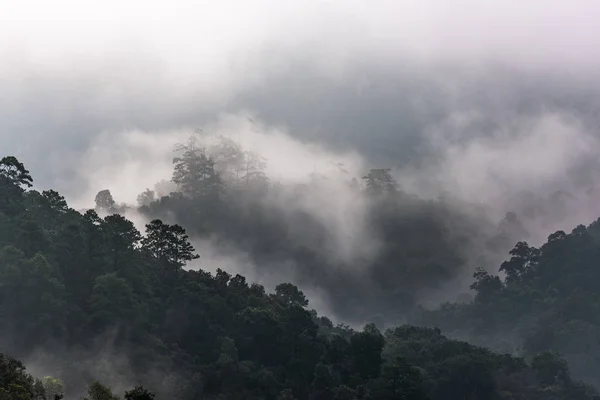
(87, 298)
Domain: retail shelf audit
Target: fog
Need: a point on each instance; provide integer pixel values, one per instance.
(486, 103)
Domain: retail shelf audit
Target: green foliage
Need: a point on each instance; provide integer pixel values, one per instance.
(146, 198)
(54, 388)
(13, 171)
(195, 172)
(15, 383)
(400, 380)
(238, 167)
(365, 348)
(112, 301)
(70, 280)
(139, 393)
(32, 296)
(105, 202)
(168, 243)
(523, 258)
(14, 180)
(289, 295)
(97, 391)
(420, 244)
(487, 286)
(548, 303)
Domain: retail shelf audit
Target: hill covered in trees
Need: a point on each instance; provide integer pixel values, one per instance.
(548, 300)
(334, 233)
(88, 298)
(369, 248)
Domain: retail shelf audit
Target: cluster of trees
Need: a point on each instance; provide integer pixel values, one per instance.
(222, 192)
(548, 300)
(17, 384)
(69, 279)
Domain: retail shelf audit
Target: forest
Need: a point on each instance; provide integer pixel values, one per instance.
(91, 307)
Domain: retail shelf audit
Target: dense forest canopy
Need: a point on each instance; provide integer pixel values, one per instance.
(89, 299)
(548, 300)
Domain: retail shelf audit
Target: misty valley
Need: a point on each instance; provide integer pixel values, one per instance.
(299, 200)
(415, 298)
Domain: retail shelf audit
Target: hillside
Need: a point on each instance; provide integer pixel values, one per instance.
(549, 300)
(87, 299)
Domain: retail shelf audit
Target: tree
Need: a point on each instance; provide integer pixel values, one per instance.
(254, 169)
(14, 172)
(112, 301)
(380, 181)
(55, 201)
(139, 393)
(39, 393)
(145, 198)
(168, 243)
(121, 232)
(31, 297)
(97, 391)
(523, 258)
(365, 348)
(47, 209)
(229, 352)
(105, 201)
(53, 387)
(290, 295)
(15, 383)
(121, 240)
(486, 285)
(29, 235)
(229, 158)
(92, 217)
(322, 382)
(400, 380)
(465, 376)
(195, 172)
(14, 179)
(67, 281)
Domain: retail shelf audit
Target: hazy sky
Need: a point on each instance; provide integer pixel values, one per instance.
(506, 89)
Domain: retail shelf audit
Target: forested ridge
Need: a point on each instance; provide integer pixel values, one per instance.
(549, 300)
(76, 287)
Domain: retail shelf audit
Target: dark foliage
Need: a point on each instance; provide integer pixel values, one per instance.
(549, 301)
(405, 247)
(69, 280)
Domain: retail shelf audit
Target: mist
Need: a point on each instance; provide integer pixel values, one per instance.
(479, 108)
(96, 96)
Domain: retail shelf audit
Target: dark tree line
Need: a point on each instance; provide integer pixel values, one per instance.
(548, 300)
(68, 279)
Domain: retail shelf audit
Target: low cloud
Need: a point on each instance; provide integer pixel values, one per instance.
(490, 106)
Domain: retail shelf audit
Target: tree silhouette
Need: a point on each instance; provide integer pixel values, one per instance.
(380, 181)
(105, 201)
(13, 171)
(168, 243)
(195, 172)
